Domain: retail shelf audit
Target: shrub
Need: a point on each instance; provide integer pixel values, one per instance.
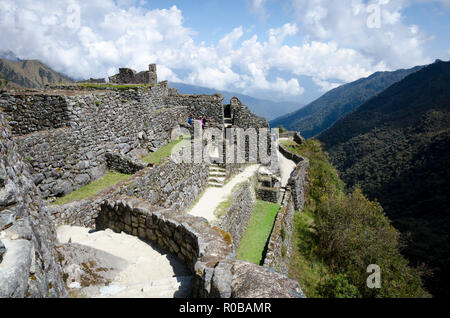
(337, 286)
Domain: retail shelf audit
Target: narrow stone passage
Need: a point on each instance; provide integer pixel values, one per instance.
(286, 166)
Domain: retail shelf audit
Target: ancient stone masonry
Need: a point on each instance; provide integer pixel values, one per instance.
(129, 76)
(279, 248)
(31, 113)
(29, 265)
(121, 163)
(238, 215)
(168, 185)
(71, 151)
(205, 250)
(298, 183)
(68, 135)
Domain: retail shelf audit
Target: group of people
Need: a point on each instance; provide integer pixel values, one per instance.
(202, 120)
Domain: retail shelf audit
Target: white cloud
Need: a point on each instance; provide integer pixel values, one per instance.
(111, 35)
(349, 24)
(258, 7)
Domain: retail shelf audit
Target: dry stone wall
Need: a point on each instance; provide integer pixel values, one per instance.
(205, 250)
(169, 185)
(29, 266)
(238, 215)
(94, 123)
(279, 248)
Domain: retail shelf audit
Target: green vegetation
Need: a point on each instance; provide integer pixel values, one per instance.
(164, 152)
(91, 189)
(338, 235)
(258, 231)
(395, 148)
(322, 113)
(224, 206)
(114, 86)
(282, 129)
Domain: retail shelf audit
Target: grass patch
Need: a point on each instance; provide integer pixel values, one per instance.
(259, 228)
(120, 87)
(305, 266)
(164, 152)
(89, 190)
(223, 206)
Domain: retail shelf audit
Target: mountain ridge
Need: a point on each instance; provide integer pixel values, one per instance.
(396, 148)
(30, 73)
(322, 113)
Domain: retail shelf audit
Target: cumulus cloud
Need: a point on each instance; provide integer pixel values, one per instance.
(373, 28)
(93, 38)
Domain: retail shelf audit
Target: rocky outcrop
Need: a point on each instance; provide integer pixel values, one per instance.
(30, 266)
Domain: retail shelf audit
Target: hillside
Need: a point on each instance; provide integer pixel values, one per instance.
(261, 107)
(396, 148)
(29, 73)
(323, 112)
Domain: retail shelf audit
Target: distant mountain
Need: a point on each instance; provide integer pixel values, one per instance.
(30, 73)
(323, 112)
(261, 107)
(10, 56)
(396, 147)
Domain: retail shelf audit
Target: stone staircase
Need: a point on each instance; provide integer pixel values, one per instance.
(227, 122)
(217, 176)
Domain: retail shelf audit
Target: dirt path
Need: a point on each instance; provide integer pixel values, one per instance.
(286, 167)
(212, 196)
(148, 274)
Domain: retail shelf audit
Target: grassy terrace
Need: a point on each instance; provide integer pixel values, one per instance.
(164, 152)
(91, 189)
(114, 86)
(258, 231)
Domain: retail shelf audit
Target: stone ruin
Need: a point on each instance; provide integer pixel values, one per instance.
(54, 142)
(129, 76)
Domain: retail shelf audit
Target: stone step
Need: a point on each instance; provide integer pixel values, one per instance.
(215, 184)
(217, 174)
(216, 169)
(217, 179)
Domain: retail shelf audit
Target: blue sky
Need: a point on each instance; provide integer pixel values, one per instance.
(276, 49)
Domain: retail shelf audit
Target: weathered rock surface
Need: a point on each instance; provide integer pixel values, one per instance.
(29, 267)
(253, 281)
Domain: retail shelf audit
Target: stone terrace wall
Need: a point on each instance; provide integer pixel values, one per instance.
(66, 158)
(298, 183)
(30, 265)
(279, 248)
(208, 106)
(205, 250)
(28, 113)
(238, 215)
(168, 185)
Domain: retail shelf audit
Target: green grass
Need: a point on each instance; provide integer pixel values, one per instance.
(259, 228)
(121, 87)
(305, 266)
(164, 152)
(89, 190)
(223, 206)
